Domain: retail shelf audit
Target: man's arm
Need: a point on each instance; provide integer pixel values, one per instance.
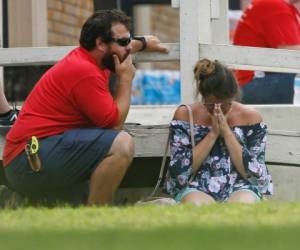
(152, 44)
(92, 98)
(125, 72)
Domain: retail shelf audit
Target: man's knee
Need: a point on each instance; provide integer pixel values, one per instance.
(123, 146)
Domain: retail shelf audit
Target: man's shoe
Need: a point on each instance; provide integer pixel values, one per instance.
(9, 119)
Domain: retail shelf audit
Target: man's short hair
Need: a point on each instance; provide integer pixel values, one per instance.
(99, 25)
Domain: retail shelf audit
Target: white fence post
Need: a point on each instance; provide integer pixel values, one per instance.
(195, 27)
(220, 22)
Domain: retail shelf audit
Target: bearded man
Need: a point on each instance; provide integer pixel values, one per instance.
(73, 121)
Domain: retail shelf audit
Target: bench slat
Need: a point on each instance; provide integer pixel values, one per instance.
(282, 147)
(286, 182)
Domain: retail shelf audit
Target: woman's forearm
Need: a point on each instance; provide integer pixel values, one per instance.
(235, 152)
(202, 149)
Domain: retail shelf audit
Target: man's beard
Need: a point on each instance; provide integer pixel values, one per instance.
(109, 63)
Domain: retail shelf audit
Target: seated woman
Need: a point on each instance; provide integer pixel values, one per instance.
(228, 160)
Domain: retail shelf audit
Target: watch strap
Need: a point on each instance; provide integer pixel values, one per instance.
(142, 39)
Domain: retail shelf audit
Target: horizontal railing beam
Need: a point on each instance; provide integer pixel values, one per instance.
(173, 55)
(263, 59)
(237, 57)
(50, 55)
(32, 55)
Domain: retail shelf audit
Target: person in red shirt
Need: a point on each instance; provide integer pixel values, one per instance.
(76, 119)
(268, 24)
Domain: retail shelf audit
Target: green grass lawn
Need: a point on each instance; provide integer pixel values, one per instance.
(267, 225)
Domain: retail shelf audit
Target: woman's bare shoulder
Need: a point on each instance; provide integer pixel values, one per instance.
(182, 113)
(247, 115)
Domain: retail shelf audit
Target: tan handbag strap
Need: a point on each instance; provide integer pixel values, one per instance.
(191, 119)
(163, 162)
(162, 167)
(192, 134)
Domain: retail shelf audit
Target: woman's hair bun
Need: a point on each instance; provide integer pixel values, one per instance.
(204, 68)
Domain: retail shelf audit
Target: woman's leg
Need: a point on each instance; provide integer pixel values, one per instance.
(244, 196)
(197, 198)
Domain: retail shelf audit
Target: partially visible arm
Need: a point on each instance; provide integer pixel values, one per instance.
(234, 147)
(92, 97)
(125, 72)
(295, 47)
(254, 159)
(235, 152)
(202, 150)
(153, 44)
(181, 156)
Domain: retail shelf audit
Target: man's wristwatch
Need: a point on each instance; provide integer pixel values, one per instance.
(142, 39)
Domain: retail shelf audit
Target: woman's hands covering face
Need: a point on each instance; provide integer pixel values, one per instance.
(219, 121)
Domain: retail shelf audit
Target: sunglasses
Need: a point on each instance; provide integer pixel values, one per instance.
(225, 106)
(122, 41)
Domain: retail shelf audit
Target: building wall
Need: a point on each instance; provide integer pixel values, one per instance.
(65, 19)
(61, 22)
(165, 24)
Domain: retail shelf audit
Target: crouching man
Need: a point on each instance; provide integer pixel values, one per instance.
(70, 124)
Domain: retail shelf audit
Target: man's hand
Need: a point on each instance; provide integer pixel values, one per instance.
(125, 72)
(153, 44)
(126, 69)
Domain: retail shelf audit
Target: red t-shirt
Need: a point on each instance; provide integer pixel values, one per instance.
(267, 24)
(74, 93)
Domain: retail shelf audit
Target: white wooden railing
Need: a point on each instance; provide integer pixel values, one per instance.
(203, 34)
(237, 57)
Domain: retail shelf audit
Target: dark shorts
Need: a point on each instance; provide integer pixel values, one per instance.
(68, 160)
(273, 88)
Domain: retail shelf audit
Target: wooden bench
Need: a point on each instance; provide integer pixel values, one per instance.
(282, 155)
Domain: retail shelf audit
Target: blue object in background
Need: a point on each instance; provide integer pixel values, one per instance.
(170, 81)
(152, 88)
(137, 97)
(156, 87)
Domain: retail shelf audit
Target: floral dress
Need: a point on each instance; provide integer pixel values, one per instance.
(217, 175)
